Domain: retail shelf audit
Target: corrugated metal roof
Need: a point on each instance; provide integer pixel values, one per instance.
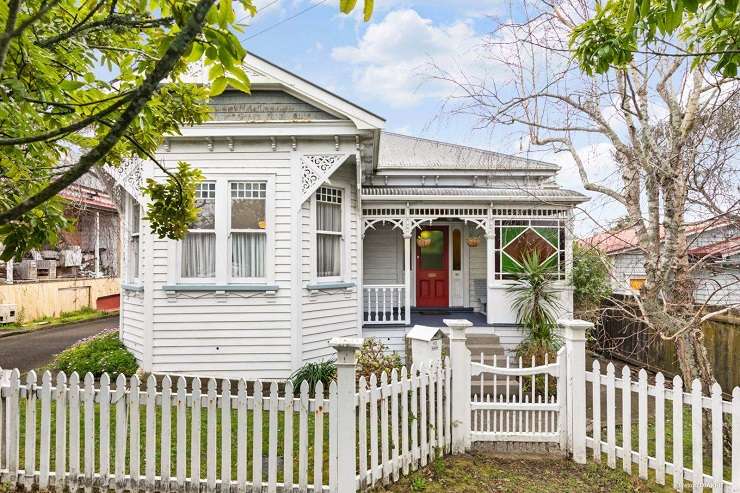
(404, 152)
(557, 194)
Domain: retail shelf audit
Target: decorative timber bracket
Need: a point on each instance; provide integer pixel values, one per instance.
(128, 175)
(317, 168)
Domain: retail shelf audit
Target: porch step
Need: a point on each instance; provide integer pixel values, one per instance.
(489, 345)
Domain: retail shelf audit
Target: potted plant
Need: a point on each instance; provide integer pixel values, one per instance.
(472, 241)
(424, 239)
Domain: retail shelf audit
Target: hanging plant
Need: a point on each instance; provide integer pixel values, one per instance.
(261, 224)
(424, 239)
(472, 241)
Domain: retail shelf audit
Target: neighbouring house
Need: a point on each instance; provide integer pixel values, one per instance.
(713, 248)
(80, 271)
(316, 223)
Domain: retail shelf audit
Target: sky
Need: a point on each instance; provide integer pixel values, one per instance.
(384, 66)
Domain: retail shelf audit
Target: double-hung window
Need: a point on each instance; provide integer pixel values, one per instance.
(248, 228)
(133, 239)
(329, 232)
(198, 259)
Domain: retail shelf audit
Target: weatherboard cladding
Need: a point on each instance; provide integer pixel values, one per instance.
(265, 106)
(404, 152)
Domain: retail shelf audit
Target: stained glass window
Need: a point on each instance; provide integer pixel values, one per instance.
(518, 238)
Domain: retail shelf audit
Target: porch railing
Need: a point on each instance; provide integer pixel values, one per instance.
(385, 304)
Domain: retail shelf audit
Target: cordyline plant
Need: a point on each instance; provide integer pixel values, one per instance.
(105, 80)
(536, 304)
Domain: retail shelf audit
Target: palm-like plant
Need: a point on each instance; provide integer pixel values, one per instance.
(536, 303)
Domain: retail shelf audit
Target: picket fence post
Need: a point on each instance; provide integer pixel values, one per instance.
(344, 422)
(574, 334)
(460, 360)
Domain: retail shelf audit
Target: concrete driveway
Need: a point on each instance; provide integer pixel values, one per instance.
(35, 349)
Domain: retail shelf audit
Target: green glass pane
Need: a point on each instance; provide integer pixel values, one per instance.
(508, 265)
(509, 233)
(551, 262)
(432, 256)
(550, 234)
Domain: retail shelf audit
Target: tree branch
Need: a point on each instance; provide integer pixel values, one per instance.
(175, 51)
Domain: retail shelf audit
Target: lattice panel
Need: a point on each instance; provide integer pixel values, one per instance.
(316, 168)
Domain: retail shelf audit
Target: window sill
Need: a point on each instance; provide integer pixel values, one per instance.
(132, 287)
(330, 285)
(267, 288)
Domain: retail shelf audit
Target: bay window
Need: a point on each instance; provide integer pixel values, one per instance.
(198, 259)
(329, 232)
(248, 234)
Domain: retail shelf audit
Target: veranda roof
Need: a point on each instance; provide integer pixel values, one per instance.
(545, 195)
(412, 153)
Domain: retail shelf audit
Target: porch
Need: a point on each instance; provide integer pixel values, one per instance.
(425, 265)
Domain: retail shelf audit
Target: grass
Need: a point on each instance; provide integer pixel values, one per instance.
(173, 442)
(479, 471)
(82, 315)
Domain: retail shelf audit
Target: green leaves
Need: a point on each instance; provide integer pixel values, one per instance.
(710, 30)
(172, 206)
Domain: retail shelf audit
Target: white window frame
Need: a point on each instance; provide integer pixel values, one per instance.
(203, 280)
(343, 243)
(269, 227)
(133, 272)
(223, 228)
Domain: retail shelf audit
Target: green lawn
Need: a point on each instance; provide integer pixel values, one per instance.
(203, 441)
(479, 471)
(63, 318)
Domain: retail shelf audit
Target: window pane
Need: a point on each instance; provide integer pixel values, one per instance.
(134, 256)
(199, 255)
(135, 217)
(432, 256)
(248, 205)
(205, 200)
(328, 217)
(328, 255)
(456, 249)
(248, 254)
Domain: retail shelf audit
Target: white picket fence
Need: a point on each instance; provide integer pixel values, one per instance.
(501, 413)
(86, 434)
(664, 411)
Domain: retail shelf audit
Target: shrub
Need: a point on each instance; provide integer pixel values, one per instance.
(313, 373)
(101, 353)
(591, 284)
(374, 358)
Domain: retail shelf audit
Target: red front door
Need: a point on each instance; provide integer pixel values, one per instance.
(432, 282)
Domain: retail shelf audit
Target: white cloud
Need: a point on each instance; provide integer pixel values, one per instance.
(393, 57)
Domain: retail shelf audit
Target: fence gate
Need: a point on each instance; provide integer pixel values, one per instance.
(518, 403)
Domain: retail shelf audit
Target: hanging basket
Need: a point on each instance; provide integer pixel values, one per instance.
(423, 242)
(472, 241)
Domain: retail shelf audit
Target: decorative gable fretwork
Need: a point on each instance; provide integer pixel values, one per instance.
(316, 169)
(128, 176)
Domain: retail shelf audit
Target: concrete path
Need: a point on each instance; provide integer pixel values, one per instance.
(35, 349)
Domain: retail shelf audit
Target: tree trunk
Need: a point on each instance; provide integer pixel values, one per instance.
(693, 359)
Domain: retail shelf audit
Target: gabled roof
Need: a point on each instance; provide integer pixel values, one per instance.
(266, 75)
(414, 153)
(612, 242)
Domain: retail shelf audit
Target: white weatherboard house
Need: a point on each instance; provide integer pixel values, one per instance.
(315, 224)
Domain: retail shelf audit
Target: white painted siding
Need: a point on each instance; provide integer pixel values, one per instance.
(132, 323)
(383, 256)
(232, 334)
(476, 272)
(332, 312)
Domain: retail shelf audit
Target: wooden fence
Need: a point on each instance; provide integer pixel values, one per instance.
(85, 434)
(668, 431)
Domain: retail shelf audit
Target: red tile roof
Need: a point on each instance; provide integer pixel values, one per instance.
(720, 249)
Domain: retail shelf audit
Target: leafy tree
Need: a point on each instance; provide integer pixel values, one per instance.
(590, 277)
(105, 80)
(708, 29)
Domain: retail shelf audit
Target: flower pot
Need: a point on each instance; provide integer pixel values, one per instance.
(261, 224)
(423, 242)
(472, 242)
